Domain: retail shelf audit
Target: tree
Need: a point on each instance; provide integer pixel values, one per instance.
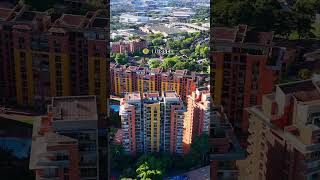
(268, 15)
(204, 51)
(180, 65)
(157, 41)
(187, 42)
(304, 74)
(154, 63)
(199, 148)
(146, 172)
(121, 58)
(170, 62)
(185, 51)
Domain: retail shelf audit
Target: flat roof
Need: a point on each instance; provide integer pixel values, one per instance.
(100, 23)
(72, 20)
(133, 96)
(170, 94)
(151, 94)
(75, 108)
(293, 87)
(224, 33)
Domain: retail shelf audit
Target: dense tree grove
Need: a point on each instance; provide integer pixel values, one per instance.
(185, 52)
(156, 166)
(295, 21)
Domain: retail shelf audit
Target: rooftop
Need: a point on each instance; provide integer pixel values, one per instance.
(133, 96)
(241, 34)
(74, 108)
(4, 13)
(224, 34)
(298, 86)
(72, 20)
(27, 16)
(170, 94)
(151, 94)
(100, 23)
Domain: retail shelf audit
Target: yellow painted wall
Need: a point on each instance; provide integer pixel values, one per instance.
(29, 77)
(103, 81)
(18, 76)
(152, 127)
(154, 132)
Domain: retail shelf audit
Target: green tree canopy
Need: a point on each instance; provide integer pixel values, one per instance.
(121, 58)
(146, 172)
(267, 15)
(154, 63)
(170, 62)
(304, 74)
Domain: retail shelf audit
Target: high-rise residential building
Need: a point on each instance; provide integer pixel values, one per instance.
(197, 117)
(142, 79)
(43, 58)
(285, 134)
(132, 123)
(224, 148)
(65, 142)
(245, 66)
(152, 123)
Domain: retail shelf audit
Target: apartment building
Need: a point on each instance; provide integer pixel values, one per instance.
(42, 58)
(225, 149)
(65, 141)
(197, 118)
(285, 134)
(129, 46)
(132, 123)
(152, 123)
(245, 66)
(142, 79)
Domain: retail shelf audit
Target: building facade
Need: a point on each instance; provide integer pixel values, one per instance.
(197, 118)
(245, 66)
(129, 47)
(65, 142)
(141, 79)
(43, 59)
(152, 123)
(224, 147)
(285, 134)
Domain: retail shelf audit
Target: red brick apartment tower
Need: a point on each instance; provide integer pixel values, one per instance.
(61, 58)
(155, 77)
(197, 118)
(243, 70)
(285, 134)
(7, 83)
(183, 83)
(128, 126)
(176, 129)
(131, 123)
